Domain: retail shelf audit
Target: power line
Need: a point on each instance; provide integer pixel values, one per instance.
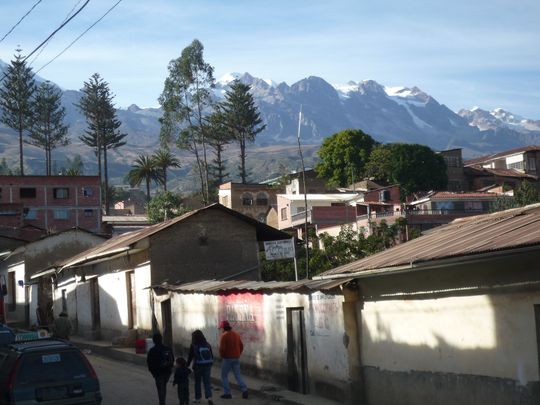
(79, 37)
(22, 18)
(44, 46)
(58, 29)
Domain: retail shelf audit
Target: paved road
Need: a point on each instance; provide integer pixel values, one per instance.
(127, 383)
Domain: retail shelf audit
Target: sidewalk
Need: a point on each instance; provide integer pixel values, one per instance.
(256, 386)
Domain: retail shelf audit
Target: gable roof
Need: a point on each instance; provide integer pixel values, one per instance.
(462, 238)
(127, 240)
(514, 151)
(486, 171)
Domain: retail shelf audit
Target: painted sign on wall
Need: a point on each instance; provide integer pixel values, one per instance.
(245, 313)
(279, 249)
(323, 312)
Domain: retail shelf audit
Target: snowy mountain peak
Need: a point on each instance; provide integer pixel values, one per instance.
(228, 78)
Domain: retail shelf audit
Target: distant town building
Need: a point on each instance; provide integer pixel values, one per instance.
(252, 200)
(53, 203)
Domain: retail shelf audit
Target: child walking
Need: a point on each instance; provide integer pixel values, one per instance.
(181, 379)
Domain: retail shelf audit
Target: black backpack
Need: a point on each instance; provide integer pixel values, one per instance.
(167, 359)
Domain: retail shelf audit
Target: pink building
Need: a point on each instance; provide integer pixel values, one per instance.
(53, 203)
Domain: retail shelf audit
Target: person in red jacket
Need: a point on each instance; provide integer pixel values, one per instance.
(230, 349)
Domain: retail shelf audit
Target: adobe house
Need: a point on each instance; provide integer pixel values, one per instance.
(107, 287)
(19, 264)
(452, 317)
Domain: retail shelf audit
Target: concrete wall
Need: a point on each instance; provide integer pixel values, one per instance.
(436, 337)
(262, 321)
(143, 296)
(113, 304)
(209, 246)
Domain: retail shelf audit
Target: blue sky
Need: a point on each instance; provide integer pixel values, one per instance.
(484, 53)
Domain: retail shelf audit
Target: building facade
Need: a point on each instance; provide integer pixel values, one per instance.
(53, 203)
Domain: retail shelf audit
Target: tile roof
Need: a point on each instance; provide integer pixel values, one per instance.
(499, 172)
(515, 228)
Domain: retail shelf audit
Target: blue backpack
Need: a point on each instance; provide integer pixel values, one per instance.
(203, 355)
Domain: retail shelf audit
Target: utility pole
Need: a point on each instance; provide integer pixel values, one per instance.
(306, 236)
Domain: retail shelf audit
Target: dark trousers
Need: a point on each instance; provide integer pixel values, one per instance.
(183, 393)
(202, 374)
(161, 385)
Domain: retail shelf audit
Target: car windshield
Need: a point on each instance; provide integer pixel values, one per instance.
(51, 366)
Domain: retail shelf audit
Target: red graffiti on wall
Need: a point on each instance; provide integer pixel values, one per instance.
(245, 313)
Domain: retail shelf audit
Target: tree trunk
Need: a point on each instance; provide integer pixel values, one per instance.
(243, 160)
(165, 179)
(106, 172)
(21, 162)
(147, 190)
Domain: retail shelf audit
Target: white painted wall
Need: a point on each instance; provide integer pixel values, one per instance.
(84, 306)
(113, 304)
(262, 322)
(490, 335)
(144, 311)
(18, 315)
(33, 292)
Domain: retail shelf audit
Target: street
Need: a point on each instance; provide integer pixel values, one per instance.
(123, 382)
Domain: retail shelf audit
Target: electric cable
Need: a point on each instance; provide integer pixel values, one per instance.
(79, 37)
(56, 30)
(18, 22)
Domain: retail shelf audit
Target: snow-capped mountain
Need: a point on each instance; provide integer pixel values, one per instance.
(389, 114)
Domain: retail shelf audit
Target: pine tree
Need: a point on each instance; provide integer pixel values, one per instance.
(47, 130)
(242, 118)
(103, 132)
(218, 138)
(17, 88)
(185, 100)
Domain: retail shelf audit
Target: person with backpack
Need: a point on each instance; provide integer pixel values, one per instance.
(200, 353)
(160, 361)
(230, 349)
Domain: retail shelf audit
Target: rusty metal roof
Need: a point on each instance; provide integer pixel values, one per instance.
(268, 287)
(126, 241)
(464, 237)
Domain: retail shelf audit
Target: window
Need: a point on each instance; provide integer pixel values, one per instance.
(262, 198)
(516, 165)
(532, 168)
(30, 213)
(452, 161)
(27, 192)
(64, 301)
(61, 213)
(473, 206)
(61, 193)
(87, 191)
(12, 291)
(283, 214)
(88, 213)
(247, 199)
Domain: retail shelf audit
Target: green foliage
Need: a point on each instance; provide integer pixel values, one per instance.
(144, 169)
(344, 156)
(335, 251)
(17, 89)
(47, 129)
(5, 170)
(526, 193)
(164, 206)
(219, 138)
(414, 167)
(242, 119)
(163, 159)
(102, 131)
(502, 203)
(185, 100)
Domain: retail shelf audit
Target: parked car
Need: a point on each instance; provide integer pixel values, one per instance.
(46, 371)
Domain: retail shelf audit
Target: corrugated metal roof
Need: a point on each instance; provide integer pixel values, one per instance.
(231, 286)
(514, 151)
(504, 230)
(125, 241)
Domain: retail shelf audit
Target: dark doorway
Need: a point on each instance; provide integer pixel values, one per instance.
(537, 322)
(132, 303)
(94, 302)
(166, 321)
(296, 351)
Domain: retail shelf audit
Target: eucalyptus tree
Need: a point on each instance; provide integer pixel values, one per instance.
(47, 128)
(242, 119)
(17, 88)
(102, 133)
(186, 99)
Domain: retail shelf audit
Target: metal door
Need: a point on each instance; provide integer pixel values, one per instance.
(296, 351)
(166, 321)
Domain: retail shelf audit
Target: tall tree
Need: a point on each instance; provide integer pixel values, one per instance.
(145, 170)
(103, 131)
(17, 87)
(344, 155)
(47, 128)
(163, 159)
(526, 193)
(242, 118)
(219, 138)
(185, 100)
